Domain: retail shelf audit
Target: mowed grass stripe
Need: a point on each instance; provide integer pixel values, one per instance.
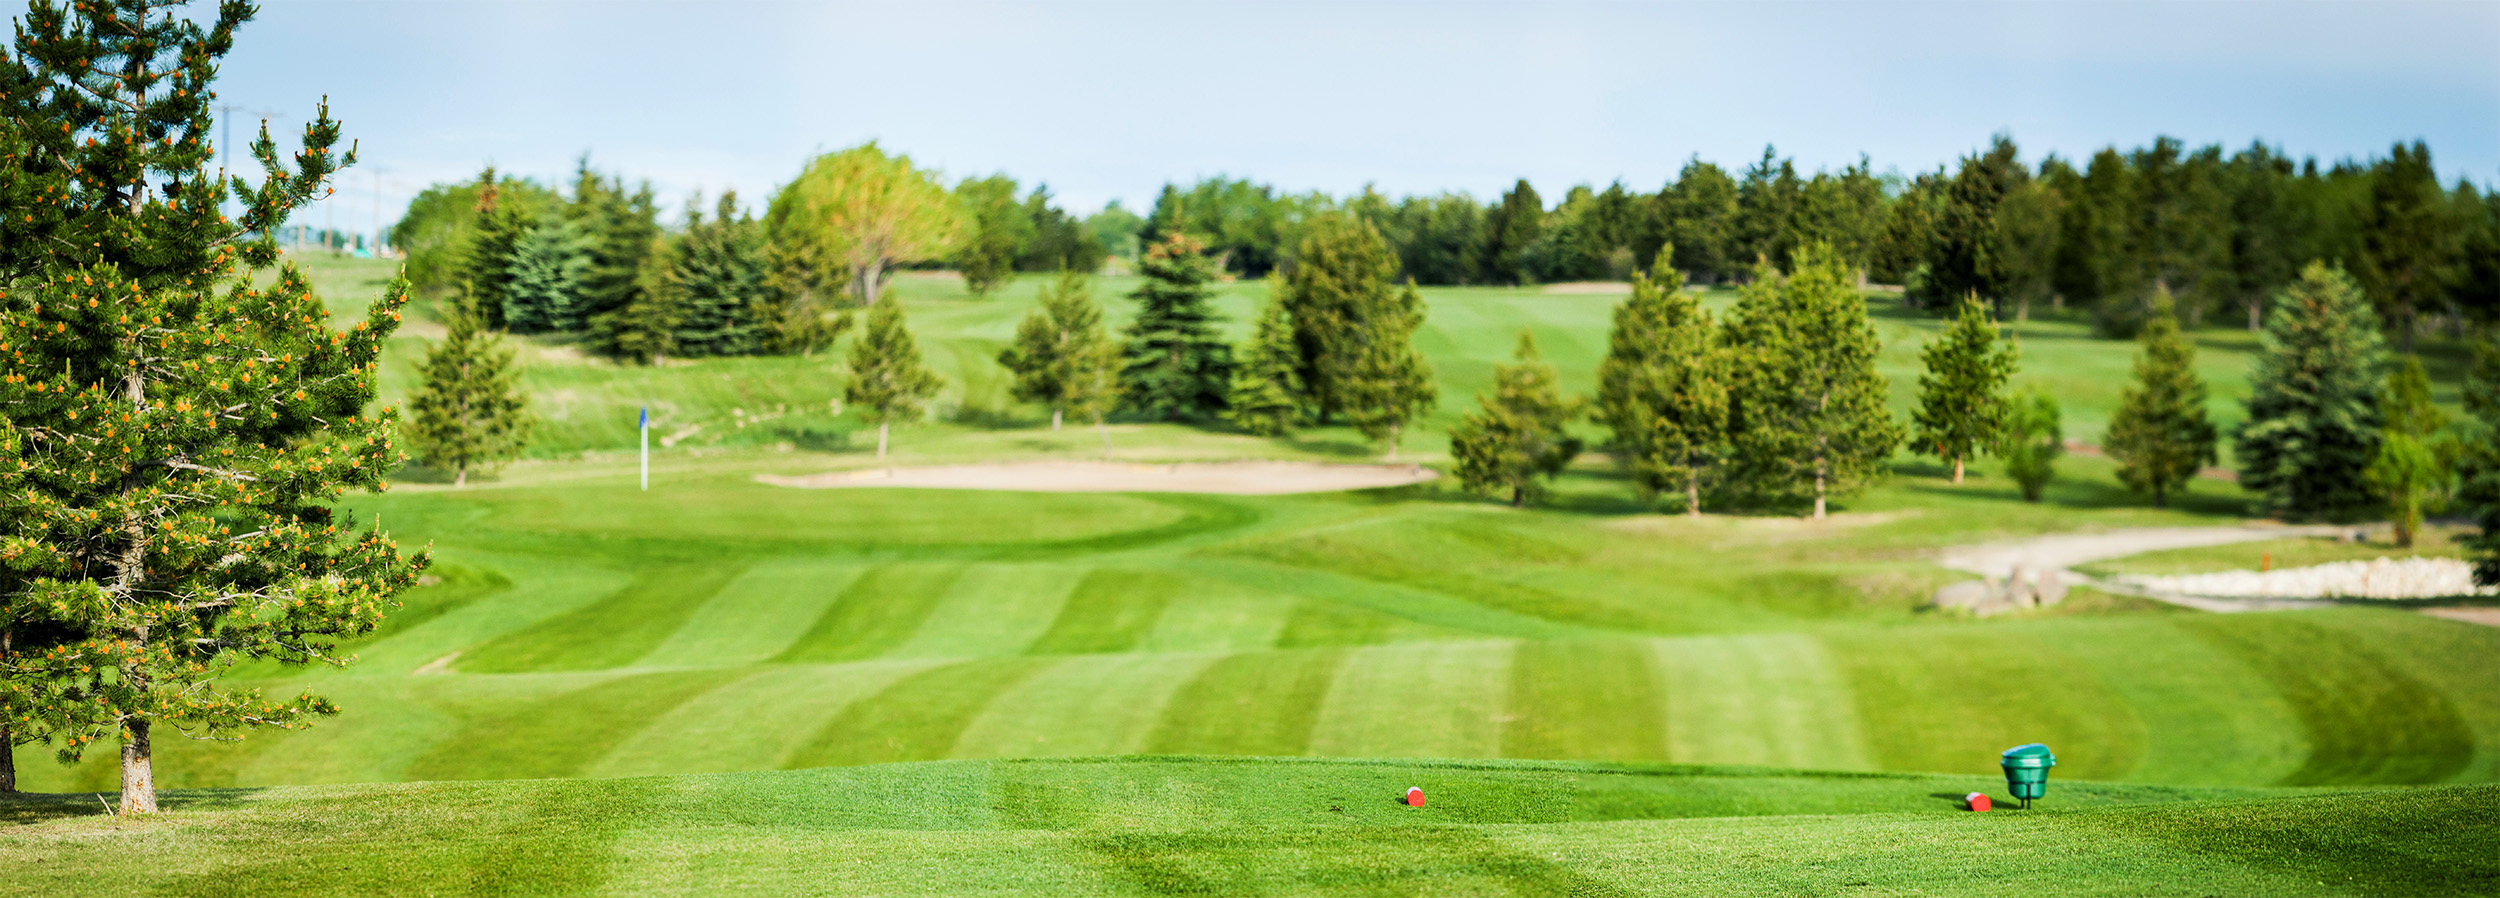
(1592, 700)
(1260, 703)
(993, 610)
(1428, 700)
(562, 734)
(1950, 700)
(1110, 611)
(756, 722)
(2368, 721)
(611, 632)
(2209, 717)
(1333, 861)
(1218, 616)
(1083, 705)
(2460, 660)
(918, 718)
(878, 612)
(755, 617)
(1772, 700)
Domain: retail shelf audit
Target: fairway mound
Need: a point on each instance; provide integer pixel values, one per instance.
(1239, 478)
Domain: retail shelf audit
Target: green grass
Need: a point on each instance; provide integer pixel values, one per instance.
(2435, 541)
(736, 685)
(1208, 826)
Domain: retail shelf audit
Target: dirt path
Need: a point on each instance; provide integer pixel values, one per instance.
(2057, 555)
(1241, 478)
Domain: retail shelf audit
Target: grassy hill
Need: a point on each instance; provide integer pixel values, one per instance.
(1206, 826)
(722, 683)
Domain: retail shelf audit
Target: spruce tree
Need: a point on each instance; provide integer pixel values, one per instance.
(468, 412)
(1517, 439)
(1267, 386)
(1058, 347)
(714, 277)
(493, 243)
(1663, 388)
(1961, 395)
(887, 378)
(1510, 228)
(622, 229)
(2478, 463)
(543, 291)
(2030, 442)
(2407, 469)
(1806, 407)
(180, 421)
(1338, 295)
(2160, 435)
(645, 330)
(2313, 412)
(1389, 382)
(1175, 367)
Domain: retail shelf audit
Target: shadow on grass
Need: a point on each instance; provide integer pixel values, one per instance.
(1333, 447)
(29, 808)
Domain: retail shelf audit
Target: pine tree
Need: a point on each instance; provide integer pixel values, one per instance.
(468, 412)
(543, 291)
(2409, 238)
(180, 421)
(1174, 366)
(487, 265)
(2160, 435)
(2313, 412)
(714, 277)
(1514, 224)
(2407, 469)
(622, 229)
(1961, 395)
(645, 330)
(1057, 347)
(2030, 442)
(1389, 382)
(1337, 296)
(1517, 439)
(1806, 408)
(887, 378)
(2478, 464)
(1663, 387)
(1267, 387)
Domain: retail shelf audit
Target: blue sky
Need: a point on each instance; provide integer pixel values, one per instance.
(1111, 100)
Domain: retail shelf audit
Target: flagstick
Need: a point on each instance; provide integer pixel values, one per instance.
(646, 449)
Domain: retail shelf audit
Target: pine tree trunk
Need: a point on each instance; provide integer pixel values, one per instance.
(1819, 478)
(1518, 496)
(1054, 420)
(460, 474)
(8, 760)
(881, 426)
(2256, 309)
(1957, 470)
(138, 774)
(1692, 494)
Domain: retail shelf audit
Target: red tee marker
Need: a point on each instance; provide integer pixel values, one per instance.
(1415, 796)
(1977, 801)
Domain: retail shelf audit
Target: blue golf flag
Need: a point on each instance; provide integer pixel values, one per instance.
(645, 420)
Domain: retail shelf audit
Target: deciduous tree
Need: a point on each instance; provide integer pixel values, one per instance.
(2313, 407)
(863, 212)
(1961, 394)
(2160, 435)
(179, 420)
(1518, 437)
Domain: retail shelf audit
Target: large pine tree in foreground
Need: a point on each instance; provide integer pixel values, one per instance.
(2313, 403)
(179, 423)
(2160, 435)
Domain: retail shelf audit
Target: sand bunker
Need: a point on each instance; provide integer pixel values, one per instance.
(1240, 478)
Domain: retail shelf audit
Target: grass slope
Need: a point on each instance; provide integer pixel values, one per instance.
(1204, 826)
